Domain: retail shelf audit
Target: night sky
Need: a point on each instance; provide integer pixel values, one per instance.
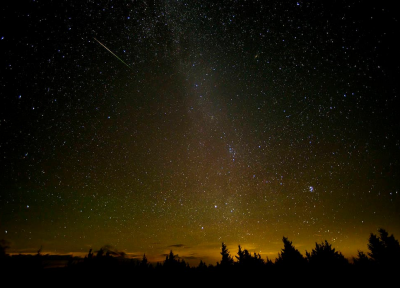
(177, 125)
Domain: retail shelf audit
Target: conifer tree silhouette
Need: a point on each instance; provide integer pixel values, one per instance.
(226, 260)
(362, 260)
(290, 256)
(240, 256)
(323, 255)
(246, 260)
(385, 249)
(144, 262)
(202, 265)
(172, 262)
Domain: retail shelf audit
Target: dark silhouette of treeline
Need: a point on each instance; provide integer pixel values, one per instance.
(322, 263)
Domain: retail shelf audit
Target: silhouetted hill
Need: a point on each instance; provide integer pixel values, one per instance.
(323, 266)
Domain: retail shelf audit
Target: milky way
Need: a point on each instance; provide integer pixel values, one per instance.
(231, 121)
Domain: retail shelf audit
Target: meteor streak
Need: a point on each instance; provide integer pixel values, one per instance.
(113, 53)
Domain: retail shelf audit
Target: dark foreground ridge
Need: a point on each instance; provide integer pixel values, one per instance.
(323, 266)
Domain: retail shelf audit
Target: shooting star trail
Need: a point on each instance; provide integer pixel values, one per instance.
(113, 53)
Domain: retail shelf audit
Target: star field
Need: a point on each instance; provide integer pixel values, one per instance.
(156, 124)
